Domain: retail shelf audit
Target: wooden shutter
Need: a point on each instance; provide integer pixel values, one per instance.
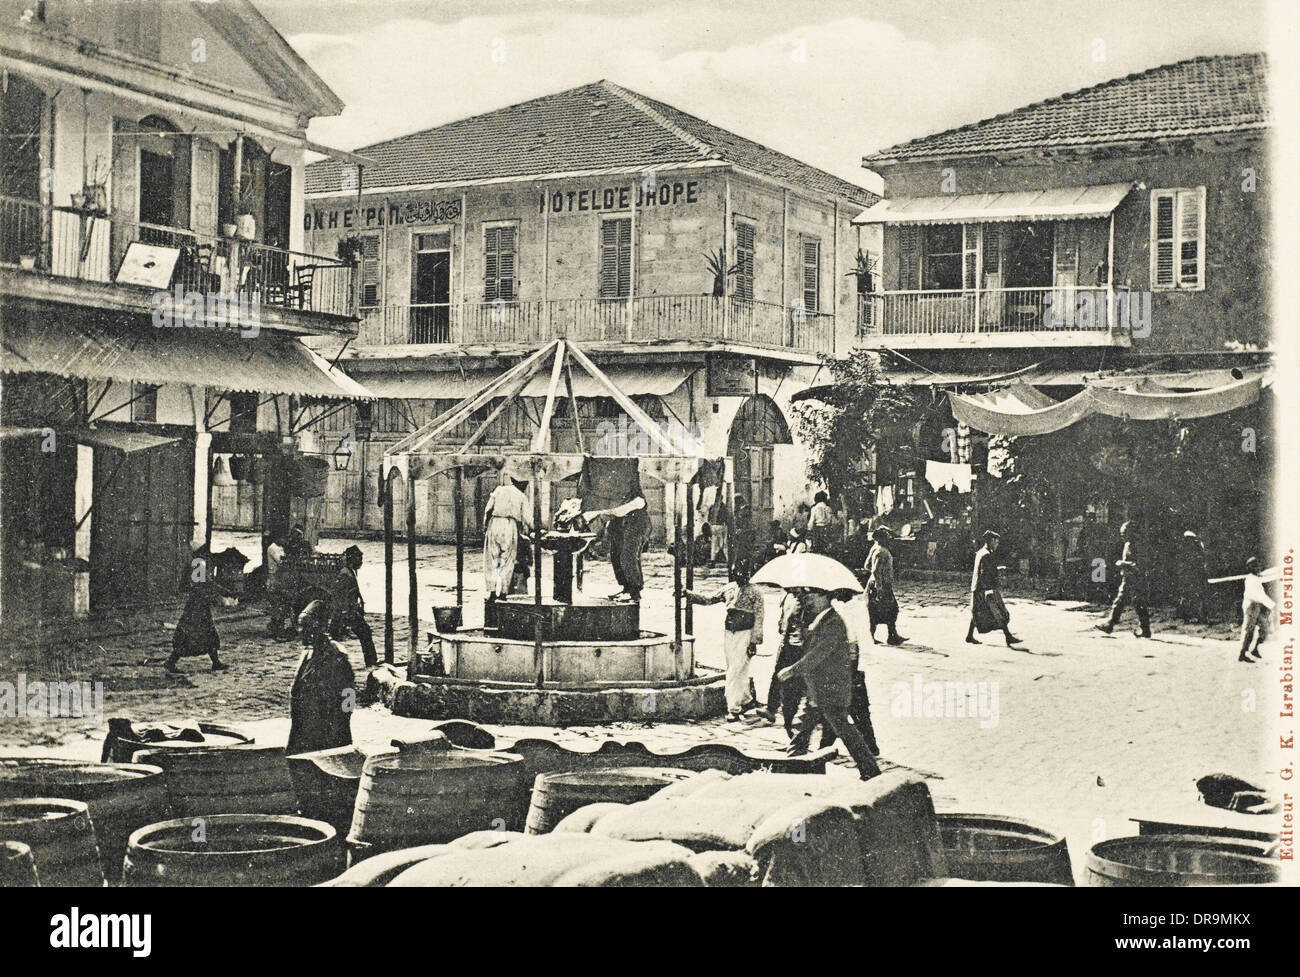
(491, 270)
(499, 264)
(1190, 248)
(745, 261)
(616, 258)
(371, 270)
(812, 252)
(1163, 239)
(203, 200)
(1066, 256)
(969, 255)
(909, 256)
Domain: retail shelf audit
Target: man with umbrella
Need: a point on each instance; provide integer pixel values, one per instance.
(828, 660)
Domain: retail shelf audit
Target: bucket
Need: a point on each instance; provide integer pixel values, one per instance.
(1177, 860)
(428, 797)
(61, 838)
(557, 795)
(446, 619)
(242, 779)
(234, 849)
(984, 848)
(120, 797)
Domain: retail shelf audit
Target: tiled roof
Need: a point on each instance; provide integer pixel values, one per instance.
(1194, 97)
(594, 127)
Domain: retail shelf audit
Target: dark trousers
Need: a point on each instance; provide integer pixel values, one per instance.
(358, 626)
(834, 716)
(1193, 603)
(625, 544)
(1130, 592)
(783, 697)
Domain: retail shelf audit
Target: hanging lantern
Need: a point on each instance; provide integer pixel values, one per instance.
(221, 474)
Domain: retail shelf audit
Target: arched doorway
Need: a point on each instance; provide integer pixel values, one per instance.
(758, 426)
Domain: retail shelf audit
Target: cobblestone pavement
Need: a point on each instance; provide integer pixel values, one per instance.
(1080, 730)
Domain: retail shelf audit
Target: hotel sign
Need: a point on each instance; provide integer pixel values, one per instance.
(426, 211)
(574, 200)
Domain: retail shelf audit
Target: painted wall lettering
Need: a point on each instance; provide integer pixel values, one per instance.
(577, 201)
(410, 212)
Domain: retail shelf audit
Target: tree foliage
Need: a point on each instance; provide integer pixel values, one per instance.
(856, 413)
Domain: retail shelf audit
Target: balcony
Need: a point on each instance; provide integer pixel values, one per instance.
(65, 255)
(1001, 317)
(642, 319)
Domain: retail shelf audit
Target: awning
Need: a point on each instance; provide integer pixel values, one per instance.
(424, 385)
(125, 441)
(1022, 410)
(221, 358)
(1060, 203)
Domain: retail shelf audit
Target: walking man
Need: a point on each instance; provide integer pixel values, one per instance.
(882, 605)
(988, 612)
(1256, 612)
(349, 610)
(821, 524)
(504, 516)
(783, 697)
(1132, 584)
(826, 668)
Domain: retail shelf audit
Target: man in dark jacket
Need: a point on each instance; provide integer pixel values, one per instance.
(826, 668)
(349, 610)
(1132, 584)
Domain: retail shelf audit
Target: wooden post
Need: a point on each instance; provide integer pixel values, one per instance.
(458, 505)
(412, 600)
(388, 568)
(690, 554)
(677, 590)
(538, 661)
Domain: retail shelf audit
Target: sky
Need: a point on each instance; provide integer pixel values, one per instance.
(826, 81)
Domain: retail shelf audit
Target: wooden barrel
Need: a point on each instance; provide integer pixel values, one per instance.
(243, 779)
(60, 835)
(427, 797)
(557, 795)
(124, 748)
(985, 848)
(120, 797)
(16, 866)
(233, 849)
(1168, 860)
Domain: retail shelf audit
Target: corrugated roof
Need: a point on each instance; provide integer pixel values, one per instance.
(593, 127)
(267, 363)
(1200, 96)
(1059, 203)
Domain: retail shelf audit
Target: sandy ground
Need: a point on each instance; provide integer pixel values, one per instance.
(1079, 731)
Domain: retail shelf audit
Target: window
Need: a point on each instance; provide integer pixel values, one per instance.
(499, 263)
(942, 264)
(243, 412)
(372, 271)
(1178, 238)
(144, 402)
(745, 261)
(616, 258)
(812, 264)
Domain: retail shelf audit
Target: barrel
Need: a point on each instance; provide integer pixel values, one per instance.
(557, 795)
(16, 866)
(1169, 860)
(120, 797)
(985, 848)
(428, 797)
(233, 849)
(60, 835)
(125, 748)
(243, 779)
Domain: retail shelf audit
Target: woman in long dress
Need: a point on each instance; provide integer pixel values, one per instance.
(743, 633)
(323, 693)
(882, 605)
(988, 612)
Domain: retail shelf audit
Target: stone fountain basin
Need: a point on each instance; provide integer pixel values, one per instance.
(477, 654)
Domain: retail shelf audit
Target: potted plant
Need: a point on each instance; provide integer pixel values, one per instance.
(94, 195)
(864, 272)
(716, 262)
(348, 249)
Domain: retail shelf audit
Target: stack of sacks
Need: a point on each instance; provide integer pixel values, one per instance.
(798, 830)
(506, 858)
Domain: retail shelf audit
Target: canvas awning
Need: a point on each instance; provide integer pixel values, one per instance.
(1022, 410)
(1059, 203)
(221, 358)
(127, 442)
(423, 385)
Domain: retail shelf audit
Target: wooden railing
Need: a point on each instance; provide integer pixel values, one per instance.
(1000, 310)
(66, 243)
(642, 319)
